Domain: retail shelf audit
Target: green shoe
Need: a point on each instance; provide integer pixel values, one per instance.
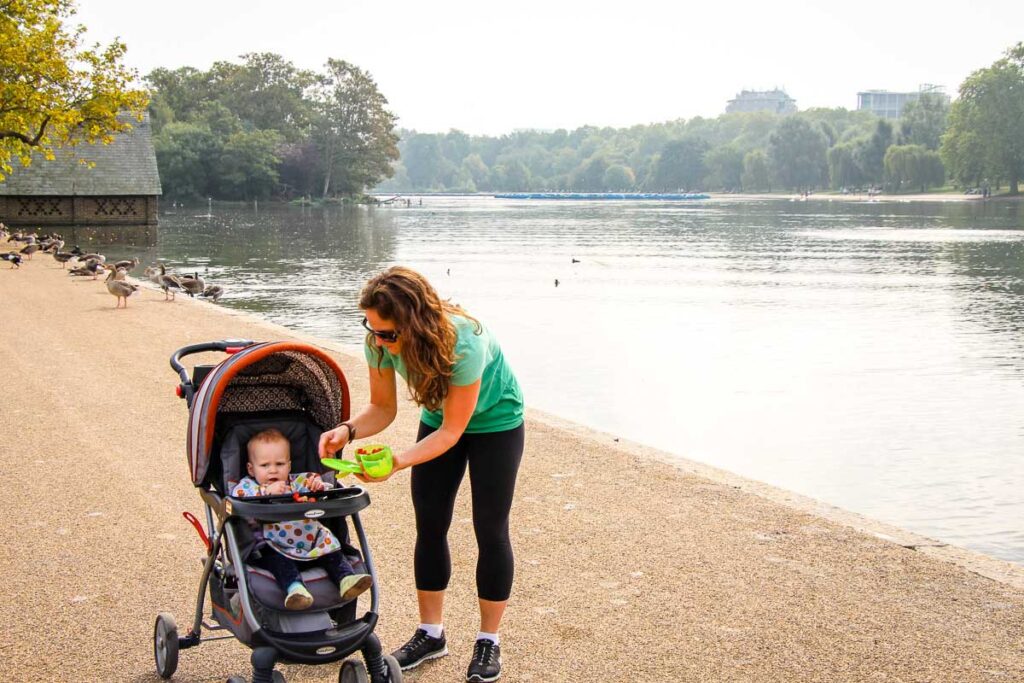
(354, 585)
(298, 597)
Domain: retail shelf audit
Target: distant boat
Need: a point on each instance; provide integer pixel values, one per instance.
(604, 195)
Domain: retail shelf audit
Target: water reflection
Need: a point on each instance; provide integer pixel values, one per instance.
(866, 354)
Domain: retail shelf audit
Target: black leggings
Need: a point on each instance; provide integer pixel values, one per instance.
(493, 460)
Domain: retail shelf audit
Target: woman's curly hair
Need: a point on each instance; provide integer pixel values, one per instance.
(406, 298)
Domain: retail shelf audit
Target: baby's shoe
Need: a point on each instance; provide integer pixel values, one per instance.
(354, 585)
(298, 597)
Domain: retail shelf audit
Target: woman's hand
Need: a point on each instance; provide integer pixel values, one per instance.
(333, 441)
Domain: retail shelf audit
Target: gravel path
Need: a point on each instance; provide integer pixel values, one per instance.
(651, 573)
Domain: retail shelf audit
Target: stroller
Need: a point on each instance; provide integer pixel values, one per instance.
(302, 392)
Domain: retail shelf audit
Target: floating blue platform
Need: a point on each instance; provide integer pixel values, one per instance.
(602, 195)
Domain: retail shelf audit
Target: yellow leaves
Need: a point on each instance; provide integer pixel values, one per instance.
(52, 92)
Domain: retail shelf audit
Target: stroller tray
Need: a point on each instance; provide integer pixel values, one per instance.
(331, 503)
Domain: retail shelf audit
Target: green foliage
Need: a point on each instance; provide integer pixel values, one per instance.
(757, 176)
(725, 167)
(590, 174)
(843, 170)
(924, 120)
(266, 128)
(185, 155)
(353, 129)
(680, 166)
(619, 178)
(913, 167)
(53, 93)
(984, 140)
(797, 153)
(871, 152)
(247, 166)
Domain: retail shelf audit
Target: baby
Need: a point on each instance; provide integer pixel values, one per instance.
(284, 544)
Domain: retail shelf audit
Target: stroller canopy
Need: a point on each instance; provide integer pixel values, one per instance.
(271, 376)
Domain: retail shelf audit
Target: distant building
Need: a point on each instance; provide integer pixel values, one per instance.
(121, 186)
(776, 101)
(889, 105)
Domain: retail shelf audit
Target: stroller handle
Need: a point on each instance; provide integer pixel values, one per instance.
(228, 346)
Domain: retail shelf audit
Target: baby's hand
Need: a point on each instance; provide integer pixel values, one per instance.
(277, 488)
(314, 482)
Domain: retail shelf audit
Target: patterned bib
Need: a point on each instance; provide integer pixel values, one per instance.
(302, 539)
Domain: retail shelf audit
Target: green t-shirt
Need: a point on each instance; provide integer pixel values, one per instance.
(477, 356)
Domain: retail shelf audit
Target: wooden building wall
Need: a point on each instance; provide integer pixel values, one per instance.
(43, 211)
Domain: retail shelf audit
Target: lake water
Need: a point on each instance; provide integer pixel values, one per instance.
(866, 354)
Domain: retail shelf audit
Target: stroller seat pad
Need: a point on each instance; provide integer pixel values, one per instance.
(263, 586)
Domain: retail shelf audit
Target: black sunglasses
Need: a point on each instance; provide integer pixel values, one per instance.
(391, 336)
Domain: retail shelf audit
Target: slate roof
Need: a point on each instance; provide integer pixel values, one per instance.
(127, 166)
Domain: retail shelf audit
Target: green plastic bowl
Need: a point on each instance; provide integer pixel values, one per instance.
(376, 459)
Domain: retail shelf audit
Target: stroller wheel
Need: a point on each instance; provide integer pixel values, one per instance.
(394, 669)
(279, 677)
(165, 645)
(237, 679)
(353, 671)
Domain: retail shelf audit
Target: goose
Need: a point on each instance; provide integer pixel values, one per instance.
(62, 257)
(193, 285)
(92, 257)
(153, 274)
(15, 259)
(120, 288)
(30, 249)
(128, 265)
(92, 267)
(169, 283)
(213, 292)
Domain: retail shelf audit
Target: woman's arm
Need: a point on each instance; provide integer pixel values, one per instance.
(459, 405)
(372, 419)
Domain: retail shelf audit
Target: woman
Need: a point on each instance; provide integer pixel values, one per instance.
(472, 415)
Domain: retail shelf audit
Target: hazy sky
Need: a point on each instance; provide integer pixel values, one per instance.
(492, 67)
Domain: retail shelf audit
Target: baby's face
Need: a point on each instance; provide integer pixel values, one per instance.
(269, 462)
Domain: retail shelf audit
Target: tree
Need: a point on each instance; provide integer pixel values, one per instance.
(871, 152)
(725, 166)
(797, 153)
(266, 91)
(247, 166)
(354, 130)
(477, 170)
(53, 92)
(924, 120)
(422, 158)
(843, 170)
(589, 176)
(986, 121)
(757, 171)
(619, 178)
(185, 155)
(182, 92)
(680, 165)
(912, 166)
(511, 176)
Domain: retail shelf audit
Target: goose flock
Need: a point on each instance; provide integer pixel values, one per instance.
(93, 265)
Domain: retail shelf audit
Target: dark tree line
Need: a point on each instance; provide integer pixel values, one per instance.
(752, 152)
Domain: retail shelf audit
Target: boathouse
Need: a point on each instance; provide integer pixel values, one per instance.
(119, 186)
